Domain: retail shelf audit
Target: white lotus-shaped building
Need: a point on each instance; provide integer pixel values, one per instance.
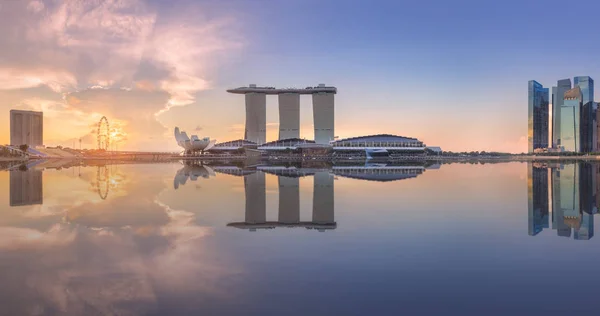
(194, 143)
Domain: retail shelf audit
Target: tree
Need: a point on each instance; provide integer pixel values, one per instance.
(24, 147)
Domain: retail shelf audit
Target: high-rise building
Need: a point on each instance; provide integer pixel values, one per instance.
(538, 119)
(289, 112)
(558, 94)
(589, 128)
(586, 84)
(570, 117)
(26, 128)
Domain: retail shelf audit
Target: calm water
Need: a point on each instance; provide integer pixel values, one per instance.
(169, 239)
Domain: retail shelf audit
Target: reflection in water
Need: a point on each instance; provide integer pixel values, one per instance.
(570, 191)
(25, 187)
(289, 203)
(102, 181)
(323, 215)
(191, 171)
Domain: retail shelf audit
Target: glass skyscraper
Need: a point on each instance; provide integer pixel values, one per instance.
(558, 94)
(586, 84)
(537, 134)
(570, 117)
(589, 129)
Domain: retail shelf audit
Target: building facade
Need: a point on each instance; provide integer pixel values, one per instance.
(589, 128)
(538, 118)
(323, 98)
(570, 118)
(26, 128)
(558, 94)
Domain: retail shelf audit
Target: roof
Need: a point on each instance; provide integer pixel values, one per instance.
(379, 138)
(574, 93)
(289, 141)
(272, 90)
(235, 142)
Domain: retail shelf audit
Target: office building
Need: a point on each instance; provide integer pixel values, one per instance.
(26, 128)
(558, 94)
(570, 117)
(589, 132)
(538, 119)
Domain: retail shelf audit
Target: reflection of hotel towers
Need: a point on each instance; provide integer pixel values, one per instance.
(25, 187)
(573, 188)
(289, 203)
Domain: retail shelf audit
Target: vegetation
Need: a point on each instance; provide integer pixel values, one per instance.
(5, 152)
(24, 147)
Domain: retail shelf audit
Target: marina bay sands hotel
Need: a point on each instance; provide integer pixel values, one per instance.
(289, 112)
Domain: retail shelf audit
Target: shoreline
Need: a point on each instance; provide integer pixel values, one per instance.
(279, 159)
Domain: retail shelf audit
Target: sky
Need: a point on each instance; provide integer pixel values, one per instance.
(451, 73)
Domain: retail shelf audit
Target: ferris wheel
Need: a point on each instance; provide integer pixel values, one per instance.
(103, 135)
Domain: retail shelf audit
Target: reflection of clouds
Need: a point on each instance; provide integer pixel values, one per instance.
(115, 258)
(15, 238)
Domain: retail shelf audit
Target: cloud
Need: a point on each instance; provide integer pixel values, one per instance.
(74, 46)
(35, 6)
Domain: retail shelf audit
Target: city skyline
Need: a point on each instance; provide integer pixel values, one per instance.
(171, 63)
(570, 123)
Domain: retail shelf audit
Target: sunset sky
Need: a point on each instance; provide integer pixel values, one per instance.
(451, 73)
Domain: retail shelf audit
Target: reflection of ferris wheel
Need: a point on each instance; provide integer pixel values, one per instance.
(102, 181)
(103, 134)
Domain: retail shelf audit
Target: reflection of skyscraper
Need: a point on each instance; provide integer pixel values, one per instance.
(538, 121)
(586, 228)
(537, 194)
(25, 187)
(558, 222)
(574, 200)
(323, 203)
(256, 207)
(289, 200)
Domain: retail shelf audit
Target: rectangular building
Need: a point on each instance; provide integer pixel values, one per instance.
(589, 131)
(538, 116)
(26, 128)
(558, 94)
(570, 121)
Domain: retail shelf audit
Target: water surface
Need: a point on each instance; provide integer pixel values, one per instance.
(239, 239)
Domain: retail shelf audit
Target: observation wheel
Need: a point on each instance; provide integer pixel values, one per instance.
(103, 134)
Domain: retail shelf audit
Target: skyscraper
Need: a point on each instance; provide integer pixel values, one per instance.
(570, 117)
(537, 134)
(558, 94)
(586, 84)
(589, 138)
(26, 128)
